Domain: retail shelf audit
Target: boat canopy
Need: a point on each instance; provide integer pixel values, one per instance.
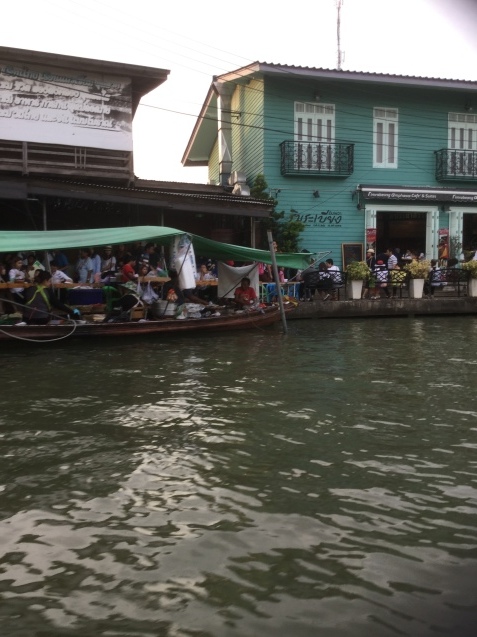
(37, 240)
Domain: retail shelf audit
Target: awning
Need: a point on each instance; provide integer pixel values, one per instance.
(30, 240)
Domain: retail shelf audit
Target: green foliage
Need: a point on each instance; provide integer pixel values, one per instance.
(285, 230)
(358, 271)
(471, 267)
(418, 269)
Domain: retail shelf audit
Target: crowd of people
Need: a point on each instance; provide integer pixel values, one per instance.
(388, 272)
(134, 265)
(322, 281)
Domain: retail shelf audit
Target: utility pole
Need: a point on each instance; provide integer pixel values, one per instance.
(339, 4)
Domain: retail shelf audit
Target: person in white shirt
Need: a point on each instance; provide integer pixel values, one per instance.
(84, 267)
(17, 274)
(57, 275)
(203, 274)
(392, 259)
(108, 263)
(335, 274)
(205, 291)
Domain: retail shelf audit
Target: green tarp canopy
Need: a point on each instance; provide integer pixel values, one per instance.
(38, 240)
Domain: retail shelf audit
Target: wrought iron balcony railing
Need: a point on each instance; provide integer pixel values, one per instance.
(316, 158)
(456, 165)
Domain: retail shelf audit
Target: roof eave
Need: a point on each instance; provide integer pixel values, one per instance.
(207, 112)
(352, 76)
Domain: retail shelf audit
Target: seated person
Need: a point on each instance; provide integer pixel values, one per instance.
(40, 300)
(108, 263)
(31, 268)
(17, 275)
(128, 273)
(245, 295)
(190, 294)
(143, 269)
(204, 291)
(171, 291)
(58, 277)
(203, 274)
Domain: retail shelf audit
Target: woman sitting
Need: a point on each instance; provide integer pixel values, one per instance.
(40, 299)
(245, 295)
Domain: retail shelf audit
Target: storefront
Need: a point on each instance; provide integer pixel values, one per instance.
(429, 221)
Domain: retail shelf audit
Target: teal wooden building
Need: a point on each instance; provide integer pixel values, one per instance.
(360, 158)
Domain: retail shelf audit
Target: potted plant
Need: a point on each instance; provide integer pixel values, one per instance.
(418, 272)
(356, 273)
(471, 269)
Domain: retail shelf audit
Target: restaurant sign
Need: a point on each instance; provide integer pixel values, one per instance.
(324, 219)
(419, 195)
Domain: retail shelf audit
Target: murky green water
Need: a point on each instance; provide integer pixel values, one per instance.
(318, 484)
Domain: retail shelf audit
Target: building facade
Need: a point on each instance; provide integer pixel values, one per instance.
(66, 153)
(360, 158)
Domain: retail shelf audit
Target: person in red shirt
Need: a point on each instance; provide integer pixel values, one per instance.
(128, 273)
(245, 295)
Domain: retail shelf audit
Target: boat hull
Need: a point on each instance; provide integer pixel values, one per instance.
(213, 324)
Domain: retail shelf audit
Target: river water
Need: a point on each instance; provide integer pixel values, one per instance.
(322, 483)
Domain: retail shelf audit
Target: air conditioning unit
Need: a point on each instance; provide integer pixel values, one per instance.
(241, 189)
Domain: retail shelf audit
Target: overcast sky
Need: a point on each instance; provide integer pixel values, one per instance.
(196, 40)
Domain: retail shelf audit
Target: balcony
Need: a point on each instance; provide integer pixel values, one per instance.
(456, 165)
(315, 159)
(30, 158)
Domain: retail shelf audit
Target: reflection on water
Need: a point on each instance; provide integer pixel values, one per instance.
(319, 483)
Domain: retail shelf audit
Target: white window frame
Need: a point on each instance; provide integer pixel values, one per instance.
(314, 124)
(462, 140)
(385, 137)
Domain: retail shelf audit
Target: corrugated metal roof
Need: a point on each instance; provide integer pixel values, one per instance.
(366, 73)
(269, 67)
(172, 196)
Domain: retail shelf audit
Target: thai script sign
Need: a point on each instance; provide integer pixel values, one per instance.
(325, 219)
(62, 106)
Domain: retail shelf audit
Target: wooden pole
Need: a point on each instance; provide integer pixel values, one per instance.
(277, 280)
(47, 263)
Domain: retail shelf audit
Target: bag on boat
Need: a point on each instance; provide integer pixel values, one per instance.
(148, 295)
(193, 310)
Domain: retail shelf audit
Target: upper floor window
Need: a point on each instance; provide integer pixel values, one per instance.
(462, 141)
(462, 131)
(385, 137)
(314, 122)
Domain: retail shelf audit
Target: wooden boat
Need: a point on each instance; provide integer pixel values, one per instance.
(226, 322)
